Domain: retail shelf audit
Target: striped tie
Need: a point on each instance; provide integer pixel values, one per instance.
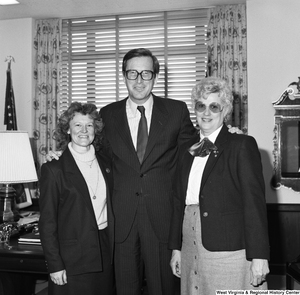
(142, 137)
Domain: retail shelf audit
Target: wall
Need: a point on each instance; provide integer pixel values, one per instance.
(16, 40)
(273, 63)
(273, 49)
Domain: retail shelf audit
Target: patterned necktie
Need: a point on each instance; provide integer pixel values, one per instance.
(202, 148)
(142, 137)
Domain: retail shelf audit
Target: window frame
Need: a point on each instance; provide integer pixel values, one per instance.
(92, 72)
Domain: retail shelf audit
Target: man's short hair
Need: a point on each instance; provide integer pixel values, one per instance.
(139, 52)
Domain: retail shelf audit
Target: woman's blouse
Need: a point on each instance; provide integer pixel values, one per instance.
(89, 168)
(194, 182)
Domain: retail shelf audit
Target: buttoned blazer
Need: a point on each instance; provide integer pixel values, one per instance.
(153, 180)
(231, 200)
(67, 225)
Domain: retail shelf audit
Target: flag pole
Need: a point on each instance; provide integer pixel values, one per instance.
(8, 59)
(10, 119)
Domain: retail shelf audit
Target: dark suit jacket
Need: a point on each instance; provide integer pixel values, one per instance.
(170, 127)
(231, 200)
(67, 225)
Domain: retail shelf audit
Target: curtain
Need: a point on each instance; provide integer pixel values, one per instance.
(227, 56)
(46, 82)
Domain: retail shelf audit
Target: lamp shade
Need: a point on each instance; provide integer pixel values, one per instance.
(16, 159)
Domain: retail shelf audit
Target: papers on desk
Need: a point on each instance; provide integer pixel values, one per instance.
(29, 217)
(28, 222)
(30, 238)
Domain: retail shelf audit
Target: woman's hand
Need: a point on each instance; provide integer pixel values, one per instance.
(234, 130)
(175, 263)
(59, 277)
(53, 155)
(258, 271)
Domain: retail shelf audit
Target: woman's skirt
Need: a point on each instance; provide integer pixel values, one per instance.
(203, 272)
(97, 283)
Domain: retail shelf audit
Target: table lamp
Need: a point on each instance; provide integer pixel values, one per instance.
(16, 166)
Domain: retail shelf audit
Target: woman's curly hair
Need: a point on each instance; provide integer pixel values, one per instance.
(61, 134)
(214, 85)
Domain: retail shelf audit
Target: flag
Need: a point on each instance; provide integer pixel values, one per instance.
(10, 119)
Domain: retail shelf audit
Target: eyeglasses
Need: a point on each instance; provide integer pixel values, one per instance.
(214, 107)
(133, 75)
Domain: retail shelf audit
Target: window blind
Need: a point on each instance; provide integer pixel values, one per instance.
(93, 48)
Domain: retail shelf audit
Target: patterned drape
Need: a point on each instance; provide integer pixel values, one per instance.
(46, 79)
(227, 56)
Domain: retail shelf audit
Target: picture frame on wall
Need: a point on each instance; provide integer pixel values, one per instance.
(23, 196)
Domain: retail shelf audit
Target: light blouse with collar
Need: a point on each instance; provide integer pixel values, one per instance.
(194, 182)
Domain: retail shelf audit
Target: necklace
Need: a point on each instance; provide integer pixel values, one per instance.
(94, 192)
(87, 162)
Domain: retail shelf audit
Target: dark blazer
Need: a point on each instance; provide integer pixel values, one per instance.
(170, 127)
(67, 225)
(231, 199)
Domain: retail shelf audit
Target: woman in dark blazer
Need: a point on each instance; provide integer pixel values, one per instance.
(76, 222)
(219, 230)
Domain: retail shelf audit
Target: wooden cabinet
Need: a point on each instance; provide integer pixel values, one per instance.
(284, 235)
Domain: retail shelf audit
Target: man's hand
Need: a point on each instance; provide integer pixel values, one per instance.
(59, 277)
(258, 271)
(234, 130)
(53, 155)
(175, 263)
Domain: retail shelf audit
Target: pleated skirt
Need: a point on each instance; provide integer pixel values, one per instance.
(202, 271)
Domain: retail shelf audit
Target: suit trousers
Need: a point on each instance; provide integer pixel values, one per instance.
(98, 283)
(142, 251)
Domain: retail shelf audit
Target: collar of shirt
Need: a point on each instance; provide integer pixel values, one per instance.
(212, 137)
(148, 105)
(134, 116)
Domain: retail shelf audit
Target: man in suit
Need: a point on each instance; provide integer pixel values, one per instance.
(142, 196)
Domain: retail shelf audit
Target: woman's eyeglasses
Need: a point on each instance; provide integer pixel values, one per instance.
(214, 107)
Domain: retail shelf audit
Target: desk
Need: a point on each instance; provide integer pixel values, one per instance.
(20, 266)
(22, 258)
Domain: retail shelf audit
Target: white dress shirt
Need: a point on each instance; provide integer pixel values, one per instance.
(133, 116)
(194, 182)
